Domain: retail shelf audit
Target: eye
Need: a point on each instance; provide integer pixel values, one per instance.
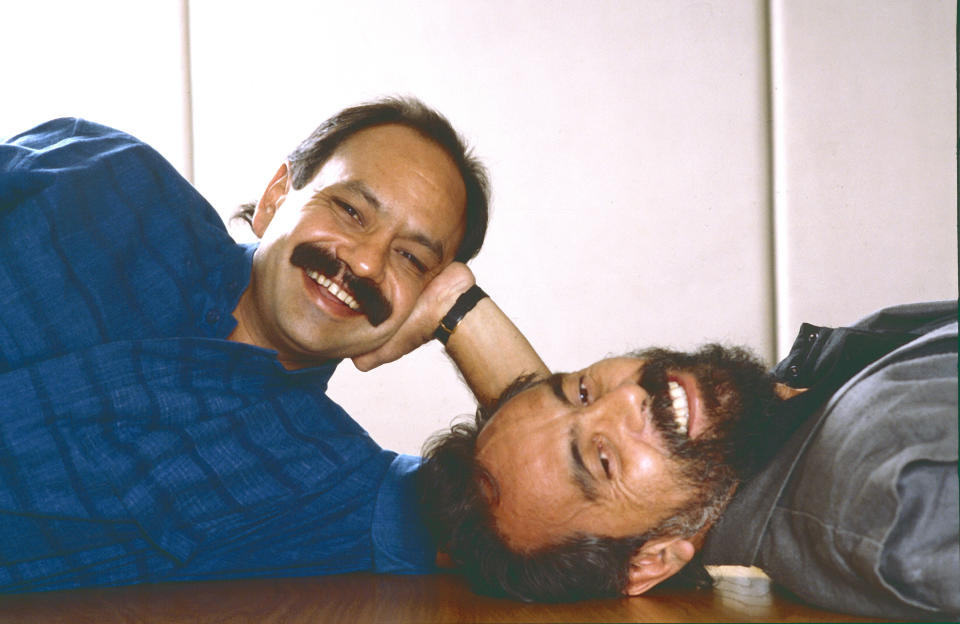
(414, 261)
(604, 460)
(583, 394)
(349, 210)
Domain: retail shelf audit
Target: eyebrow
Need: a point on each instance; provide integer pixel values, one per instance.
(555, 383)
(359, 187)
(581, 474)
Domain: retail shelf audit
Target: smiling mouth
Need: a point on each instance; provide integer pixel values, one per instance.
(680, 404)
(337, 290)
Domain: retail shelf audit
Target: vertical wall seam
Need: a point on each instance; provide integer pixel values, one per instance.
(186, 63)
(779, 127)
(773, 251)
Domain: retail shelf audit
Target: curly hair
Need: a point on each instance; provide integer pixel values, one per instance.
(316, 149)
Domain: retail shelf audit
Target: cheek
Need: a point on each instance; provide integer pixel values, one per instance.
(403, 291)
(308, 221)
(655, 487)
(287, 216)
(646, 466)
(649, 473)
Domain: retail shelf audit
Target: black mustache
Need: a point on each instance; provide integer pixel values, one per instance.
(653, 379)
(372, 302)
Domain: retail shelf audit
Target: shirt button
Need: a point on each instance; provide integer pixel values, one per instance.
(812, 336)
(794, 370)
(213, 317)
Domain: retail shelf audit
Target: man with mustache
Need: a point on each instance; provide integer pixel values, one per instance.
(836, 473)
(164, 412)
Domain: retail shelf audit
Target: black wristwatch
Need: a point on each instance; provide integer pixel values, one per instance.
(464, 304)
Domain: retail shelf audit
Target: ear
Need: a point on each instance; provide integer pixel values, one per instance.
(656, 561)
(271, 200)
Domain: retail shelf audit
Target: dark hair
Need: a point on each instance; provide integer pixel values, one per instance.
(456, 510)
(313, 152)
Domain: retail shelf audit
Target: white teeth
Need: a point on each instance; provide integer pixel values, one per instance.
(335, 290)
(681, 409)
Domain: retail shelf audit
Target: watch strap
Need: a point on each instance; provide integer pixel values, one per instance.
(460, 308)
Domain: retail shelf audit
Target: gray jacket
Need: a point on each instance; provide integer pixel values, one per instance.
(858, 512)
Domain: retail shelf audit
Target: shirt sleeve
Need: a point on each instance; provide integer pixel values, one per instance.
(18, 180)
(400, 540)
(105, 228)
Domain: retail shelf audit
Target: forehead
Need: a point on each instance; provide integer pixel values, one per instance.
(615, 366)
(522, 449)
(525, 410)
(389, 139)
(394, 153)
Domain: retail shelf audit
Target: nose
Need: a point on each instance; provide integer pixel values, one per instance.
(366, 257)
(620, 413)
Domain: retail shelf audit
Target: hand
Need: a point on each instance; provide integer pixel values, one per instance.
(434, 302)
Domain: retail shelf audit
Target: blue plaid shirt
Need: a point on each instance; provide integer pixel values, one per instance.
(136, 442)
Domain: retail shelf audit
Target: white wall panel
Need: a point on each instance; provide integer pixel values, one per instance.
(115, 62)
(866, 135)
(626, 141)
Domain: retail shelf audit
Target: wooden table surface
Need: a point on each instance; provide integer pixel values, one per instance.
(741, 595)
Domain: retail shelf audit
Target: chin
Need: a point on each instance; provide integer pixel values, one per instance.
(348, 350)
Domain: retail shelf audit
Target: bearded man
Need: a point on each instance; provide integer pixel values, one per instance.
(836, 472)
